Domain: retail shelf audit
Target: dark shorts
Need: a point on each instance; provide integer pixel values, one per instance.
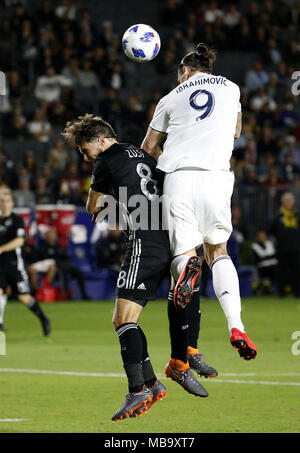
(144, 266)
(15, 278)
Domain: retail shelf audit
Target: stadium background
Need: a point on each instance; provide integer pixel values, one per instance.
(73, 381)
(65, 58)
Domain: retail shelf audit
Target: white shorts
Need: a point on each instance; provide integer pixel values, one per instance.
(43, 265)
(197, 208)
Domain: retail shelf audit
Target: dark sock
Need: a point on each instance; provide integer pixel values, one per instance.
(178, 326)
(194, 316)
(148, 372)
(131, 351)
(36, 309)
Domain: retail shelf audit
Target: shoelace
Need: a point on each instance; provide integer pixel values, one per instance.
(198, 358)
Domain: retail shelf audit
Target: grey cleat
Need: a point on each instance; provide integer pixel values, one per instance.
(200, 366)
(134, 404)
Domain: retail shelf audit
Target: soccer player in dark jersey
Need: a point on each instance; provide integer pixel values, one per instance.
(12, 268)
(128, 173)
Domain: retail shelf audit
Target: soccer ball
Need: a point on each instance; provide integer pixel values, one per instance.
(141, 43)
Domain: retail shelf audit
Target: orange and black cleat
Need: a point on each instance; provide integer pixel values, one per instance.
(135, 404)
(159, 391)
(242, 343)
(181, 373)
(183, 291)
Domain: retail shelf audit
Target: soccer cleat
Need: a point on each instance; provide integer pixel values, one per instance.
(199, 365)
(183, 291)
(46, 326)
(3, 327)
(159, 391)
(242, 343)
(180, 372)
(135, 404)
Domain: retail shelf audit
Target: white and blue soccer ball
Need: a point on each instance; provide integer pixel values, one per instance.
(141, 43)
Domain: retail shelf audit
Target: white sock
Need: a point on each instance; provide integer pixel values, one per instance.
(227, 290)
(178, 264)
(3, 300)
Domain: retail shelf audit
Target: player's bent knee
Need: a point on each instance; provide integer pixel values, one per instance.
(24, 298)
(126, 311)
(213, 251)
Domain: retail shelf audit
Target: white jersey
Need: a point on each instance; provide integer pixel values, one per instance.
(200, 117)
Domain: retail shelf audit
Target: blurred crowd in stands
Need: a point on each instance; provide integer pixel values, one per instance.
(62, 61)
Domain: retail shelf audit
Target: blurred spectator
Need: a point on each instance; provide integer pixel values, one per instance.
(256, 78)
(115, 77)
(265, 261)
(43, 194)
(110, 107)
(288, 170)
(110, 250)
(51, 249)
(39, 128)
(15, 87)
(16, 128)
(64, 192)
(290, 148)
(266, 144)
(239, 228)
(36, 264)
(286, 230)
(23, 196)
(48, 86)
(75, 182)
(87, 77)
(66, 10)
(212, 12)
(232, 16)
(58, 156)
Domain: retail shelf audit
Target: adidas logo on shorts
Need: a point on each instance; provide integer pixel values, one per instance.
(141, 286)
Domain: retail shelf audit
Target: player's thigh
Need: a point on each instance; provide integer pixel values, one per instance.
(145, 264)
(215, 206)
(179, 212)
(19, 282)
(126, 311)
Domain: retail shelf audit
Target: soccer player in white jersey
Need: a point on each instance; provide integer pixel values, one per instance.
(200, 118)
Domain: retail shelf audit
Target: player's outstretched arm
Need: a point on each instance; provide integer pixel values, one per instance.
(11, 245)
(151, 142)
(238, 128)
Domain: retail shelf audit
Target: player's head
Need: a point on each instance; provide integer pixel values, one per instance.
(201, 59)
(91, 134)
(6, 201)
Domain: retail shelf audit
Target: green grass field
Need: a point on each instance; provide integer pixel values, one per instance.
(256, 396)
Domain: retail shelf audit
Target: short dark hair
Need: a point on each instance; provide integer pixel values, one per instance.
(202, 58)
(87, 128)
